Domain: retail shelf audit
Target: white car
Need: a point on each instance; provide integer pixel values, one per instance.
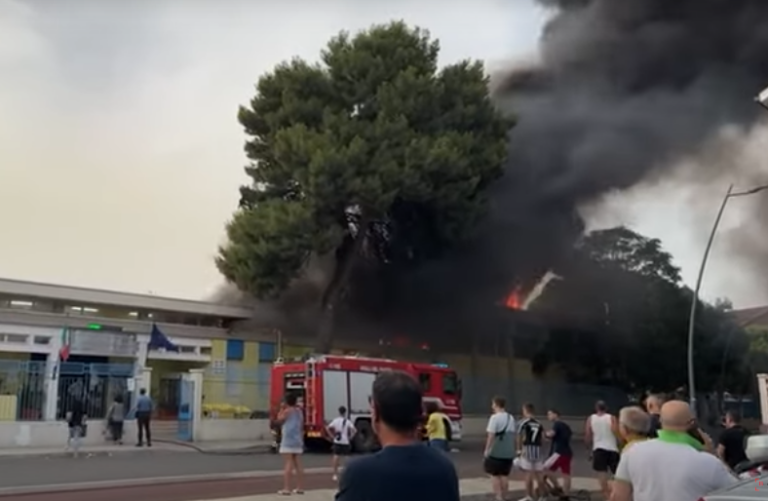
(746, 490)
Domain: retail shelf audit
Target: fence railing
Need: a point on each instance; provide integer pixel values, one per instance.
(95, 385)
(236, 393)
(22, 390)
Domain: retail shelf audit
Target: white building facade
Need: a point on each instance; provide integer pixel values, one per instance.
(106, 335)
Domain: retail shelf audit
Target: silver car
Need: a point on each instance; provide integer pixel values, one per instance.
(746, 490)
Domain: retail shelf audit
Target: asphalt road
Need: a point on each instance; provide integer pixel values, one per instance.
(39, 471)
(142, 467)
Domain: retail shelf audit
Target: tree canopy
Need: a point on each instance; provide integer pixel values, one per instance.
(374, 155)
(626, 291)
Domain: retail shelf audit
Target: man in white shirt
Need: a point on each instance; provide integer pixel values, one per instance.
(500, 448)
(673, 466)
(341, 431)
(600, 433)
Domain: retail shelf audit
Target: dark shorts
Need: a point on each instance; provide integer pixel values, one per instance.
(497, 467)
(604, 461)
(341, 449)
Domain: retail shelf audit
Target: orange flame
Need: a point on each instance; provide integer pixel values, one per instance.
(514, 300)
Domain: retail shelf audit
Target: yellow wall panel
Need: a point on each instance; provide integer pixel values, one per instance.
(15, 356)
(218, 349)
(234, 389)
(8, 407)
(295, 351)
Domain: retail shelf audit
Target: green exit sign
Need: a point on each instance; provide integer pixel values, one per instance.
(104, 328)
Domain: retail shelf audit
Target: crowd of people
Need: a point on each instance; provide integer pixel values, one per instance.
(76, 418)
(645, 453)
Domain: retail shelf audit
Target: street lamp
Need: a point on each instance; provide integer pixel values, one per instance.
(762, 98)
(692, 320)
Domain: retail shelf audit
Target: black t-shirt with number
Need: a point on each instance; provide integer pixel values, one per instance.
(531, 432)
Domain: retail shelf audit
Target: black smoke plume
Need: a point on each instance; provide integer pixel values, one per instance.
(623, 89)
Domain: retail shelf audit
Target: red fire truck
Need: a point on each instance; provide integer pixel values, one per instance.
(326, 382)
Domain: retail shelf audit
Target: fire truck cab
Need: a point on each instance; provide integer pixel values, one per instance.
(324, 383)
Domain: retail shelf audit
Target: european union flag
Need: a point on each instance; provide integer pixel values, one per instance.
(159, 340)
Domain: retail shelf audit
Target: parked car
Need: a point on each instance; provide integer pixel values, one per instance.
(746, 490)
(757, 455)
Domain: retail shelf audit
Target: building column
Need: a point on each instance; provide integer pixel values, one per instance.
(141, 357)
(144, 380)
(195, 376)
(51, 386)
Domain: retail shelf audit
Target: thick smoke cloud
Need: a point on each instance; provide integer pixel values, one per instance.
(623, 90)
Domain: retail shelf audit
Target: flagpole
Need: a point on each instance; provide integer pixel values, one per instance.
(279, 340)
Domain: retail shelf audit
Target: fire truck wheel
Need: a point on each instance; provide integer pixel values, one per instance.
(364, 440)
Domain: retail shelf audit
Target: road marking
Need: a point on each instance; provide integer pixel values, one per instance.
(467, 487)
(141, 482)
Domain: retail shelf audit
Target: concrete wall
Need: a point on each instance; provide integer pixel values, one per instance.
(475, 426)
(50, 434)
(224, 430)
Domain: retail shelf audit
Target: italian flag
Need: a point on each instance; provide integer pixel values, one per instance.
(64, 350)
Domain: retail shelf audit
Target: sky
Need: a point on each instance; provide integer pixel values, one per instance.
(121, 156)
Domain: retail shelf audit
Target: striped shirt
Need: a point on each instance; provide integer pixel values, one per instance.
(531, 433)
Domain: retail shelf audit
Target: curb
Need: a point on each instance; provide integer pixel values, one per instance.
(223, 451)
(142, 482)
(170, 446)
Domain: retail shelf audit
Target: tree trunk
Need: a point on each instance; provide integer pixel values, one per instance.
(333, 292)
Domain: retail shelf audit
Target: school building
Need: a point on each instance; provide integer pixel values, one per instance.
(106, 336)
(208, 376)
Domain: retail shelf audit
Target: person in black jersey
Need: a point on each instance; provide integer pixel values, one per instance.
(529, 439)
(732, 442)
(561, 452)
(653, 406)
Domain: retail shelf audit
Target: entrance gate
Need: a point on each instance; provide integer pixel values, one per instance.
(186, 410)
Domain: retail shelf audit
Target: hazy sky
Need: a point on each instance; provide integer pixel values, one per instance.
(120, 154)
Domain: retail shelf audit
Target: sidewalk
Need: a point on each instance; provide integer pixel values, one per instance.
(225, 447)
(468, 487)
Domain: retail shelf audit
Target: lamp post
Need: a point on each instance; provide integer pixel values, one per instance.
(762, 98)
(694, 302)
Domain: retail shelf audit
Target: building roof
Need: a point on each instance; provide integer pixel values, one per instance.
(24, 289)
(751, 316)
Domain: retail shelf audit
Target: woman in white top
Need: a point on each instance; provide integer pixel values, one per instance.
(601, 432)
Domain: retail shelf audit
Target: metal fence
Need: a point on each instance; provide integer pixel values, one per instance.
(95, 385)
(22, 390)
(569, 399)
(236, 393)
